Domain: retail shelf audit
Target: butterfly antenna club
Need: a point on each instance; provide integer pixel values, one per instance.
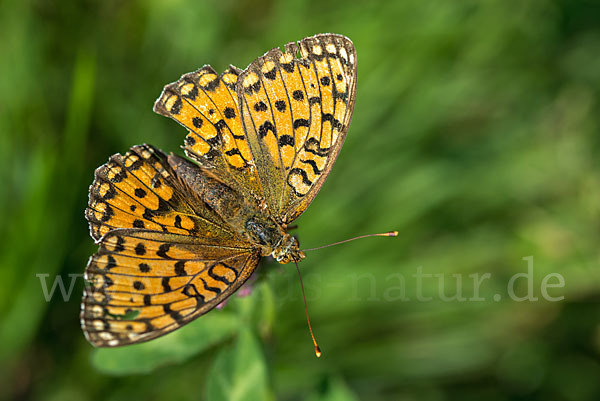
(317, 349)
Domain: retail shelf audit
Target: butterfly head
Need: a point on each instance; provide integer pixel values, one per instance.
(288, 250)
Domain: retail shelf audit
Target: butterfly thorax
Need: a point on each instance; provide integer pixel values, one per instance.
(273, 238)
(247, 219)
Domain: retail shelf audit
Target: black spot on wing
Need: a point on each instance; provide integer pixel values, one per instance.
(197, 122)
(107, 214)
(156, 183)
(110, 262)
(314, 100)
(177, 222)
(334, 121)
(119, 247)
(180, 268)
(265, 127)
(260, 106)
(288, 67)
(253, 88)
(280, 106)
(148, 214)
(140, 249)
(229, 112)
(190, 140)
(165, 284)
(192, 94)
(298, 172)
(301, 122)
(343, 96)
(298, 95)
(162, 251)
(286, 140)
(325, 81)
(176, 106)
(140, 193)
(212, 85)
(232, 152)
(271, 74)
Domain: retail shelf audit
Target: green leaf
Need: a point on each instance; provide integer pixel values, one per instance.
(239, 372)
(266, 315)
(172, 348)
(335, 390)
(258, 308)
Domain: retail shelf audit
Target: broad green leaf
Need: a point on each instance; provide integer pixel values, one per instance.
(239, 372)
(174, 347)
(335, 390)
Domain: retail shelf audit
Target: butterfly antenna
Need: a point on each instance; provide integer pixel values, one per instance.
(388, 234)
(317, 349)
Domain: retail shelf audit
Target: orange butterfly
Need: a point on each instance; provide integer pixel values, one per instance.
(177, 238)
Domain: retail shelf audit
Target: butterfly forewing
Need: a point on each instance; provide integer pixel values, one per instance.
(296, 112)
(144, 284)
(207, 105)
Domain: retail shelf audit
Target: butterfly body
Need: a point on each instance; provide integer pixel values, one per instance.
(246, 217)
(176, 238)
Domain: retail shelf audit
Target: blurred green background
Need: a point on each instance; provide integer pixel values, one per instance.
(475, 135)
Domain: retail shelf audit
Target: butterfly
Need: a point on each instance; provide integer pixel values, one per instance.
(176, 236)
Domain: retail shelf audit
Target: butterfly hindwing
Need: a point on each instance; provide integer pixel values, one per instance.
(143, 284)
